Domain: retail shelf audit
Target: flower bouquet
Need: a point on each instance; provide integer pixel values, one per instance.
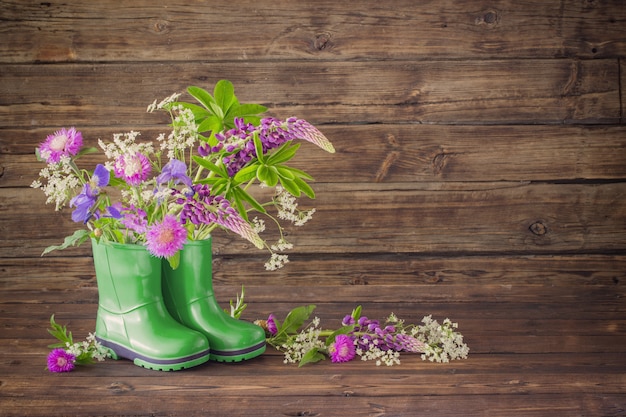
(194, 179)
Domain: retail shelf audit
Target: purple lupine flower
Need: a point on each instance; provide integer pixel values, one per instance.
(348, 320)
(166, 238)
(64, 142)
(203, 208)
(404, 342)
(60, 361)
(342, 349)
(174, 170)
(134, 168)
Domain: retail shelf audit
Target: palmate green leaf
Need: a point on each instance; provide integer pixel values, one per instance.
(291, 186)
(78, 237)
(268, 175)
(312, 356)
(243, 195)
(247, 173)
(283, 154)
(206, 100)
(211, 123)
(224, 94)
(304, 187)
(219, 170)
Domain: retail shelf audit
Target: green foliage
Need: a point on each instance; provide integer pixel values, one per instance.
(78, 237)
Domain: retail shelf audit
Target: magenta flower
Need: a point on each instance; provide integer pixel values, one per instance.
(271, 325)
(134, 168)
(166, 238)
(342, 349)
(60, 361)
(64, 142)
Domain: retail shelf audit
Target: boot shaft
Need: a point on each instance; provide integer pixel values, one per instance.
(128, 276)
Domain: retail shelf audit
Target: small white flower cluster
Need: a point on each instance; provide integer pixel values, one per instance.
(307, 339)
(276, 261)
(61, 181)
(124, 144)
(443, 343)
(258, 225)
(374, 353)
(183, 135)
(89, 348)
(288, 208)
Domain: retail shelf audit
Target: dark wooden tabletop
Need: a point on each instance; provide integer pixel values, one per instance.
(480, 176)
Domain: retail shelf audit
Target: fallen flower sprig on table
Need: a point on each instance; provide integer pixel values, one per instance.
(360, 336)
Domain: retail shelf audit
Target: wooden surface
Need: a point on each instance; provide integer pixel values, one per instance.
(480, 175)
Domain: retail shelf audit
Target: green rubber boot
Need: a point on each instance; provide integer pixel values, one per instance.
(188, 293)
(132, 321)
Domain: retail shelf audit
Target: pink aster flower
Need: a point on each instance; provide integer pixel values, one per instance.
(60, 361)
(166, 238)
(132, 168)
(64, 142)
(342, 349)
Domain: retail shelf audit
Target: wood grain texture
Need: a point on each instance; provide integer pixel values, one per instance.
(480, 176)
(325, 30)
(451, 92)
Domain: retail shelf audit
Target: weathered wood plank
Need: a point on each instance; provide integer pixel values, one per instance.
(402, 153)
(451, 92)
(495, 217)
(176, 30)
(330, 403)
(55, 273)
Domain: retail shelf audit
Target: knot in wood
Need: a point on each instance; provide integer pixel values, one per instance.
(322, 41)
(538, 228)
(161, 26)
(490, 18)
(120, 387)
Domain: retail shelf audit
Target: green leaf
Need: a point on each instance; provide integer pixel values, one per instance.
(291, 186)
(342, 330)
(312, 356)
(219, 170)
(299, 173)
(245, 196)
(174, 260)
(246, 173)
(60, 333)
(87, 151)
(206, 100)
(295, 319)
(224, 94)
(304, 187)
(272, 176)
(258, 147)
(285, 172)
(283, 154)
(78, 237)
(246, 110)
(211, 123)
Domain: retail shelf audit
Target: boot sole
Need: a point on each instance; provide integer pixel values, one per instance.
(238, 355)
(118, 351)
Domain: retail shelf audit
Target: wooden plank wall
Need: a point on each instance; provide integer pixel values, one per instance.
(481, 155)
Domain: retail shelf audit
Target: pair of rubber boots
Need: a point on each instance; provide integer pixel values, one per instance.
(165, 319)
